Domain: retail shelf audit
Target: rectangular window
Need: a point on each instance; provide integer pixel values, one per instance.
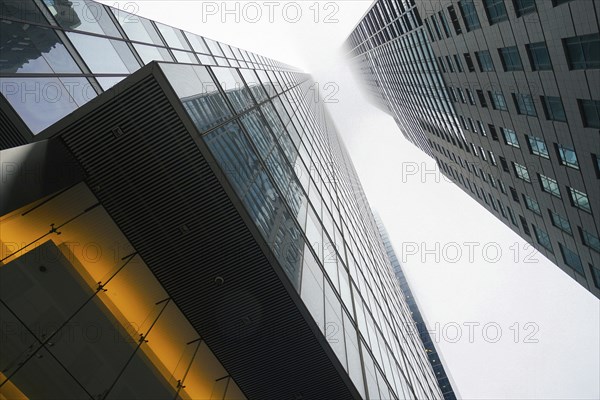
(512, 216)
(511, 60)
(481, 98)
(590, 113)
(523, 7)
(567, 156)
(542, 238)
(498, 100)
(493, 132)
(470, 97)
(561, 223)
(532, 205)
(469, 61)
(553, 108)
(504, 164)
(472, 125)
(510, 137)
(469, 14)
(449, 62)
(524, 104)
(484, 59)
(580, 200)
(481, 128)
(495, 10)
(492, 158)
(461, 95)
(524, 225)
(459, 66)
(444, 23)
(502, 187)
(454, 19)
(595, 275)
(537, 146)
(583, 52)
(571, 259)
(549, 185)
(591, 241)
(539, 56)
(521, 172)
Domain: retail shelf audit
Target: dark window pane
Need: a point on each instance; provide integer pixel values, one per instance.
(539, 57)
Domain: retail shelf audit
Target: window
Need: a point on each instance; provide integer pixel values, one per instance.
(511, 60)
(481, 97)
(512, 216)
(495, 10)
(590, 113)
(524, 104)
(472, 125)
(481, 128)
(523, 7)
(521, 172)
(444, 23)
(469, 14)
(583, 52)
(524, 225)
(538, 56)
(532, 205)
(469, 61)
(449, 62)
(454, 19)
(591, 241)
(559, 2)
(537, 146)
(492, 158)
(459, 66)
(595, 275)
(560, 222)
(493, 132)
(461, 95)
(553, 108)
(596, 162)
(571, 259)
(580, 200)
(504, 164)
(484, 59)
(543, 238)
(498, 101)
(567, 156)
(549, 185)
(510, 137)
(502, 187)
(470, 97)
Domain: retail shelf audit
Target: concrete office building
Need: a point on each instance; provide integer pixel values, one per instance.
(179, 221)
(504, 95)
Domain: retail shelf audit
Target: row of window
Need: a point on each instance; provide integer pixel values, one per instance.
(570, 257)
(581, 53)
(524, 103)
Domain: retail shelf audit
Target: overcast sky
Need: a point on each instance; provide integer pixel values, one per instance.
(467, 269)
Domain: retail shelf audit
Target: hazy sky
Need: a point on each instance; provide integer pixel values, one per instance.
(510, 324)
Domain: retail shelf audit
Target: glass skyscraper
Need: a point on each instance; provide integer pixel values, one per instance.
(180, 221)
(435, 359)
(503, 94)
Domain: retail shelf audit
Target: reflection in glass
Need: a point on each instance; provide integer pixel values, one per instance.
(254, 85)
(32, 49)
(137, 28)
(83, 15)
(199, 95)
(234, 88)
(22, 9)
(184, 57)
(104, 55)
(40, 102)
(214, 47)
(197, 43)
(152, 53)
(173, 37)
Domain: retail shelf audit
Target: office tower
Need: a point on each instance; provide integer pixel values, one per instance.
(442, 375)
(180, 221)
(504, 95)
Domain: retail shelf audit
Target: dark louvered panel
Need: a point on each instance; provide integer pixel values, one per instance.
(10, 135)
(154, 181)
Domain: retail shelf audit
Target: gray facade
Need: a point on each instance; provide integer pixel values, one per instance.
(504, 95)
(212, 222)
